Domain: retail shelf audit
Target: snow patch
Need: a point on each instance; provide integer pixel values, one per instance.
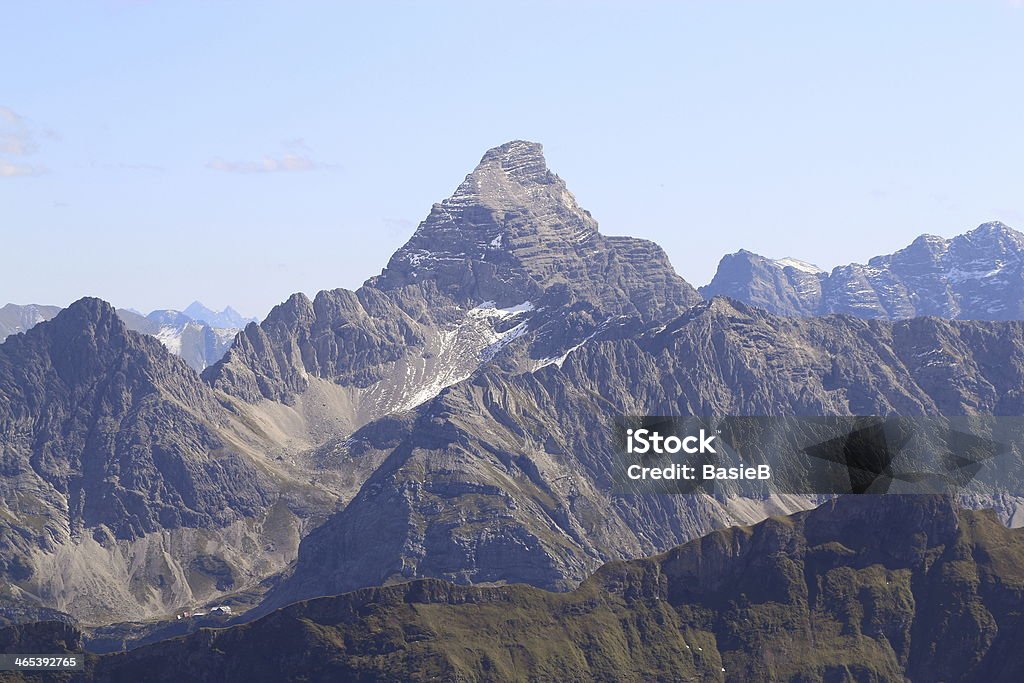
(456, 353)
(170, 337)
(225, 335)
(802, 266)
(488, 309)
(957, 275)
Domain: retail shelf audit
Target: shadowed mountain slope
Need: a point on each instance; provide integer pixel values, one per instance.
(509, 477)
(862, 588)
(127, 486)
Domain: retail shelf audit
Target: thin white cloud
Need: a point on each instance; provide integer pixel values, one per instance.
(17, 143)
(17, 139)
(285, 163)
(12, 170)
(9, 115)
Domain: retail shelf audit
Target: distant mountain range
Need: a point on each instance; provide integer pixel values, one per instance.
(198, 335)
(453, 418)
(15, 319)
(975, 276)
(229, 318)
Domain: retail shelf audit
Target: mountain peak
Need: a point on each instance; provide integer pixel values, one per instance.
(520, 160)
(993, 226)
(510, 177)
(228, 318)
(512, 231)
(89, 312)
(995, 230)
(506, 212)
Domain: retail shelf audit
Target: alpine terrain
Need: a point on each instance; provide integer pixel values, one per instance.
(863, 588)
(975, 276)
(453, 418)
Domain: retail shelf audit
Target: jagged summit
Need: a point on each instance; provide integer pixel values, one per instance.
(508, 266)
(512, 230)
(510, 213)
(88, 320)
(994, 234)
(993, 227)
(227, 318)
(978, 275)
(521, 160)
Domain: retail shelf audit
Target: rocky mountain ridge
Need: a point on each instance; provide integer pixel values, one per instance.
(508, 477)
(975, 276)
(862, 588)
(509, 269)
(129, 486)
(200, 342)
(450, 418)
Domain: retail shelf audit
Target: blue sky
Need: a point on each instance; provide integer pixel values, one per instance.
(153, 153)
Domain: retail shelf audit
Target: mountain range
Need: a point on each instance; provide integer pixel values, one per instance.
(15, 318)
(862, 588)
(975, 276)
(452, 418)
(128, 486)
(198, 335)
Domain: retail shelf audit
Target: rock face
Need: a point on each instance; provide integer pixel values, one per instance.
(119, 469)
(862, 588)
(450, 418)
(99, 413)
(509, 252)
(507, 477)
(513, 232)
(976, 276)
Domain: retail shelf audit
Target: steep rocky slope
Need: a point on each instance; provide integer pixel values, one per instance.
(508, 477)
(128, 488)
(975, 276)
(451, 418)
(863, 588)
(509, 253)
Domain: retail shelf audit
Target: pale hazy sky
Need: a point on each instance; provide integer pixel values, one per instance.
(152, 153)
